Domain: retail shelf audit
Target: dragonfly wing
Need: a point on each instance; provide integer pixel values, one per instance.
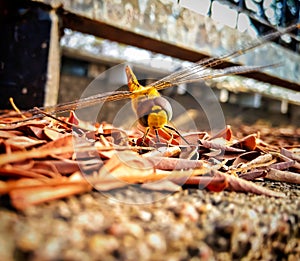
(206, 74)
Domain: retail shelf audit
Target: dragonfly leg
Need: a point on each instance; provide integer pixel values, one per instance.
(177, 132)
(157, 135)
(191, 151)
(145, 135)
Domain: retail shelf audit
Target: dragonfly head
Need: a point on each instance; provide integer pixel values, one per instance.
(154, 112)
(133, 83)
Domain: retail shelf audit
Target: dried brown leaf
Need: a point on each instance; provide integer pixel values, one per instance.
(240, 185)
(62, 166)
(9, 134)
(163, 152)
(33, 154)
(38, 131)
(253, 174)
(10, 172)
(214, 153)
(25, 197)
(127, 166)
(189, 152)
(3, 187)
(247, 143)
(10, 185)
(245, 157)
(283, 176)
(23, 142)
(161, 185)
(261, 161)
(225, 134)
(194, 137)
(52, 134)
(221, 144)
(283, 165)
(292, 153)
(107, 184)
(212, 183)
(22, 125)
(64, 141)
(175, 163)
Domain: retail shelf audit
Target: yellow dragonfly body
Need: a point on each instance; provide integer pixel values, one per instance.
(152, 110)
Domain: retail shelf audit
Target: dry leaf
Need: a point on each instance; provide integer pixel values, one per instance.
(23, 142)
(33, 154)
(107, 184)
(225, 134)
(194, 137)
(175, 163)
(253, 174)
(38, 132)
(63, 167)
(247, 143)
(24, 197)
(33, 174)
(212, 183)
(163, 152)
(292, 153)
(283, 176)
(65, 141)
(245, 157)
(9, 134)
(161, 185)
(241, 185)
(14, 172)
(52, 134)
(221, 144)
(127, 166)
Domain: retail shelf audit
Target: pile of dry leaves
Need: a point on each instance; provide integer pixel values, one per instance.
(51, 158)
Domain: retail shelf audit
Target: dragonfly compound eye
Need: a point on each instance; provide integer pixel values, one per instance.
(154, 112)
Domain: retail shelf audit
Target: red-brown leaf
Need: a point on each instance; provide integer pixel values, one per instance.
(247, 143)
(25, 197)
(241, 185)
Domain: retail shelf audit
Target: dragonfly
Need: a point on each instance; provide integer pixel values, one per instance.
(154, 111)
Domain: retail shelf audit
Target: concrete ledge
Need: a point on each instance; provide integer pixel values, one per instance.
(188, 35)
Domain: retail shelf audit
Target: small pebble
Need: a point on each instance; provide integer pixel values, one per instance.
(145, 216)
(190, 212)
(156, 241)
(29, 239)
(103, 244)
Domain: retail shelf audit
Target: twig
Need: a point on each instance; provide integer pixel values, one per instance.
(11, 100)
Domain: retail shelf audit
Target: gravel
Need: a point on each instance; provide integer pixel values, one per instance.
(192, 224)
